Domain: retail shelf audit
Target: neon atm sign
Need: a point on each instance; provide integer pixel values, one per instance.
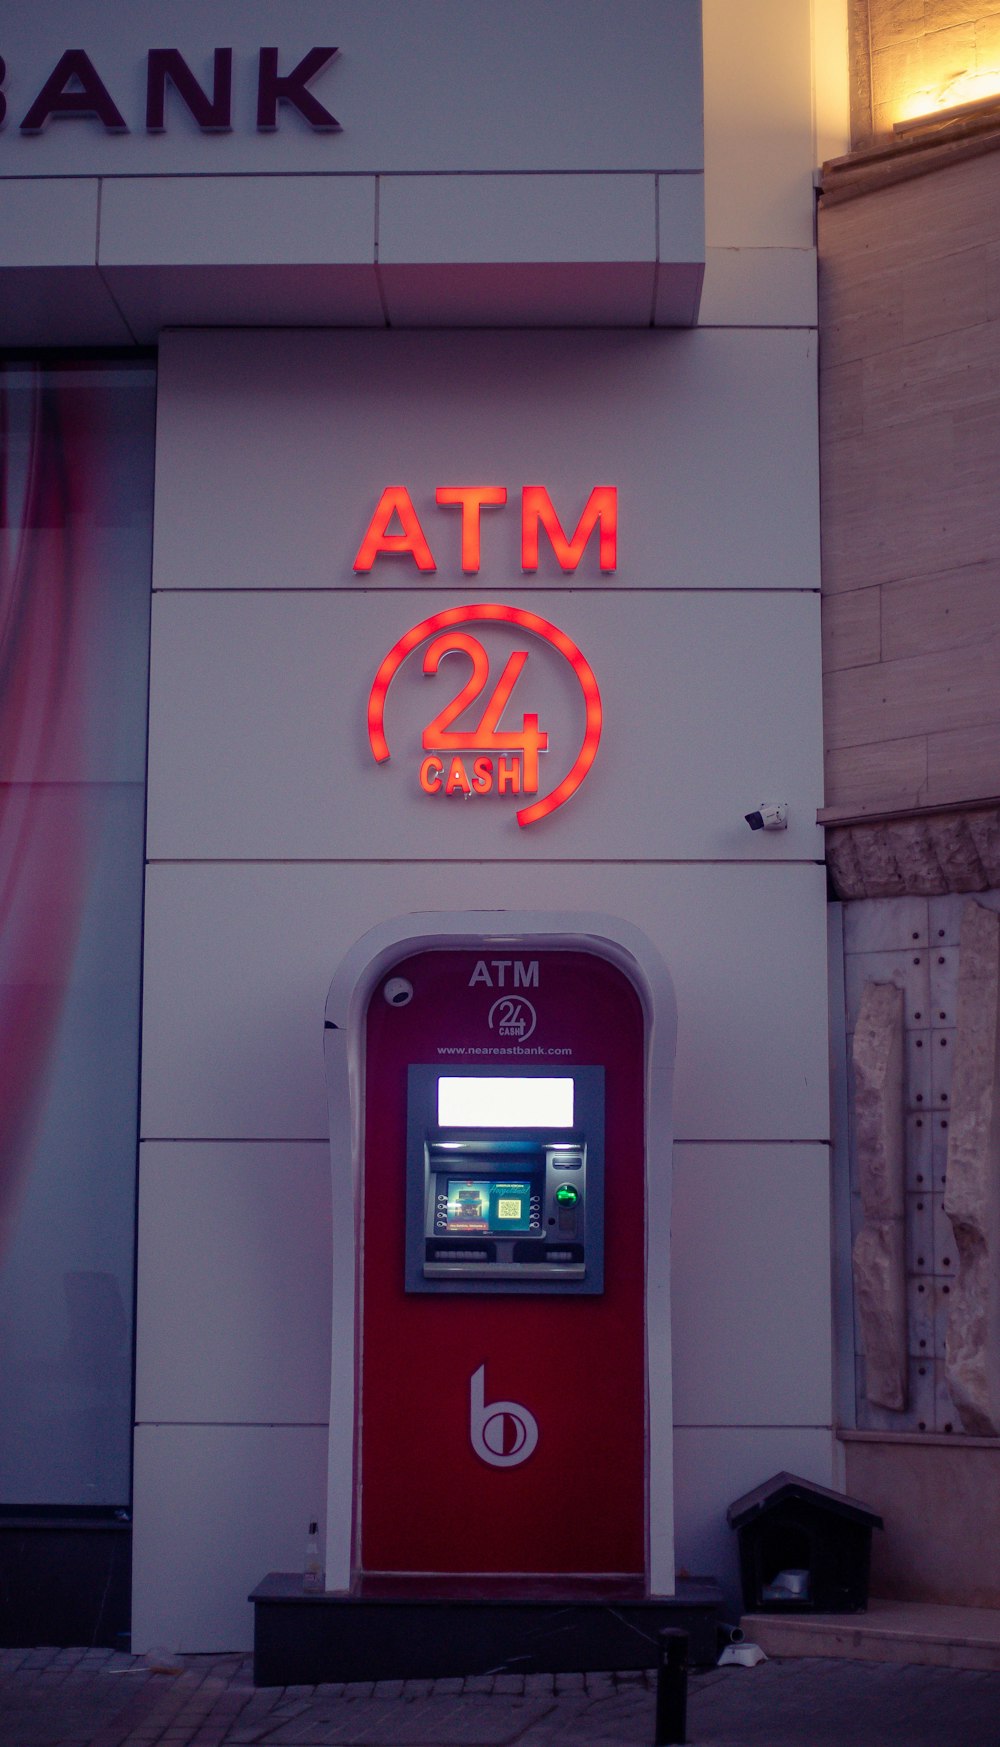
(486, 758)
(600, 512)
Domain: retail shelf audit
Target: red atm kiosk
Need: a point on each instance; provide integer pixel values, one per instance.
(500, 1101)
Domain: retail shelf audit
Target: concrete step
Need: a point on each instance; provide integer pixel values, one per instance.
(891, 1631)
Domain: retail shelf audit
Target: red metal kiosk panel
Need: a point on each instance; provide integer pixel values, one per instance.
(428, 1501)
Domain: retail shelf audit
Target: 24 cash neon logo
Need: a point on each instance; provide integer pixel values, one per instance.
(487, 758)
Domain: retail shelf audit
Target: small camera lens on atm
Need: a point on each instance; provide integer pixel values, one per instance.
(398, 992)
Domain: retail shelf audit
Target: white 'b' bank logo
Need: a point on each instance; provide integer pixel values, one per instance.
(503, 1433)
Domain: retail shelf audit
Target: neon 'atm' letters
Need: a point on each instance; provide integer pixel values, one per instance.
(396, 531)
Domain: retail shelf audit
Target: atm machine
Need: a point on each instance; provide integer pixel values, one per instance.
(505, 1179)
(500, 1103)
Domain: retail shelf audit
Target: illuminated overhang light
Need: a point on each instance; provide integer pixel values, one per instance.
(971, 98)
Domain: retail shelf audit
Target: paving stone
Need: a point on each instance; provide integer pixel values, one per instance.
(11, 1659)
(816, 1702)
(388, 1689)
(510, 1685)
(570, 1683)
(537, 1684)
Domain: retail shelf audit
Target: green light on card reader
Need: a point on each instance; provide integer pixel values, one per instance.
(567, 1194)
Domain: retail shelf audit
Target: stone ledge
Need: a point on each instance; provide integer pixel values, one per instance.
(892, 161)
(964, 1440)
(891, 1631)
(916, 854)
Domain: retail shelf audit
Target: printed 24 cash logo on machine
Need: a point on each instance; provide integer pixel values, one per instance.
(488, 736)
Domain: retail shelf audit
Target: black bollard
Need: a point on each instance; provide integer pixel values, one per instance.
(671, 1688)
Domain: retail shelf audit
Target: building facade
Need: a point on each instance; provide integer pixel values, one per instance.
(907, 232)
(493, 324)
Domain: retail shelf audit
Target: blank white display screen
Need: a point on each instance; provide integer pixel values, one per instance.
(505, 1103)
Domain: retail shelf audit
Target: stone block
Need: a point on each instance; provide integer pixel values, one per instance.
(880, 1247)
(880, 1285)
(878, 1100)
(972, 1182)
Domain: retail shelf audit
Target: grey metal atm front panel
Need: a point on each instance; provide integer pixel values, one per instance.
(505, 1180)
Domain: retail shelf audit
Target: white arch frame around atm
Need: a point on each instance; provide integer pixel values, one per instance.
(631, 951)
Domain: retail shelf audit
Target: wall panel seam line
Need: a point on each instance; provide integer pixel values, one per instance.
(474, 861)
(184, 591)
(100, 270)
(324, 1140)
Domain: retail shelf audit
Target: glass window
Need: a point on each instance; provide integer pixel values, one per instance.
(76, 492)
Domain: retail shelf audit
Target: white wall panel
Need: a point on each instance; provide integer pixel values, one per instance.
(759, 134)
(713, 1466)
(750, 1263)
(243, 221)
(768, 288)
(273, 450)
(258, 747)
(45, 306)
(596, 294)
(236, 251)
(430, 85)
(239, 960)
(48, 222)
(831, 78)
(155, 298)
(216, 1508)
(234, 1267)
(441, 238)
(459, 219)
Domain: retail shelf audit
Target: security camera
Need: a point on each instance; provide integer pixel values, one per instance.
(398, 992)
(770, 816)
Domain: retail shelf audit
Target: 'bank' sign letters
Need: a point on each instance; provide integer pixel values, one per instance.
(74, 91)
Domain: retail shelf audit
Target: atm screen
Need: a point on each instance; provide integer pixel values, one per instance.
(488, 1205)
(504, 1101)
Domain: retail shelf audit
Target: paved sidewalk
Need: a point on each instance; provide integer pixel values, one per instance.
(98, 1698)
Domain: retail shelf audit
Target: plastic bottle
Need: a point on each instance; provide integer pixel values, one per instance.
(312, 1570)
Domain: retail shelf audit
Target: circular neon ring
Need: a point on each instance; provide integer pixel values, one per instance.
(551, 634)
